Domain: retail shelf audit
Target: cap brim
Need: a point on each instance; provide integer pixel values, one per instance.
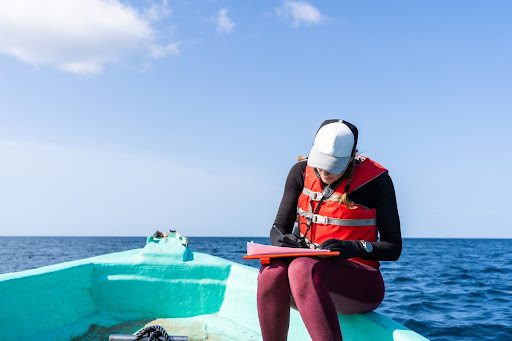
(334, 165)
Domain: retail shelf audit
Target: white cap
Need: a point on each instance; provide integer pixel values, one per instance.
(333, 147)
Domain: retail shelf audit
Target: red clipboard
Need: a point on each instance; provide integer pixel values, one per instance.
(265, 259)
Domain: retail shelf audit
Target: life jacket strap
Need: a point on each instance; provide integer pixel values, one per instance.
(320, 219)
(318, 196)
(315, 196)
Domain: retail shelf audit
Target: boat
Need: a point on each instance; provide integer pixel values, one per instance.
(194, 294)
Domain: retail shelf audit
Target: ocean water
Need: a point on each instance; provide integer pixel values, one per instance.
(445, 289)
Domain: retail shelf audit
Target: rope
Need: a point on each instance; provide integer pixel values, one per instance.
(154, 333)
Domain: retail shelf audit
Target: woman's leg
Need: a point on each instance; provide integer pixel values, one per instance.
(315, 281)
(273, 300)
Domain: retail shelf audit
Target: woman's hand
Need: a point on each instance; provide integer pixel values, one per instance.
(279, 238)
(346, 248)
(289, 240)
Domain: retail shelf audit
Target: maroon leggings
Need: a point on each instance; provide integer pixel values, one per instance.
(320, 288)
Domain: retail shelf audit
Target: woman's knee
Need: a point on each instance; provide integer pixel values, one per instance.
(301, 272)
(272, 276)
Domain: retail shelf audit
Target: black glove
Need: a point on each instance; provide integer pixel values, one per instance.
(346, 248)
(278, 238)
(288, 240)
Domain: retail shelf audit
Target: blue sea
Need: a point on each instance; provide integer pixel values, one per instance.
(445, 289)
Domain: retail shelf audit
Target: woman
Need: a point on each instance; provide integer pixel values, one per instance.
(342, 202)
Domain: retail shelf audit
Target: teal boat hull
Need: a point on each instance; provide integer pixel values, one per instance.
(163, 280)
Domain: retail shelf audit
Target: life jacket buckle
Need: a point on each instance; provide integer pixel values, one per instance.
(316, 196)
(318, 219)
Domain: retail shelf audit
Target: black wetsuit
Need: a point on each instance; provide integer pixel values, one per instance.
(378, 193)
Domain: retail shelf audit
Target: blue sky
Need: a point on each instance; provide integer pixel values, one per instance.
(120, 117)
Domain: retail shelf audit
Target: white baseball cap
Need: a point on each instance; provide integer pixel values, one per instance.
(333, 147)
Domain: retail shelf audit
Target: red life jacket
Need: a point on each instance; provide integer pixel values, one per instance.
(335, 220)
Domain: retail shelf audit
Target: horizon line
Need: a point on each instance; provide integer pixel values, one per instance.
(204, 236)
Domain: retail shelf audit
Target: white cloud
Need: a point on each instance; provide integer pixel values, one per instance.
(161, 51)
(224, 23)
(300, 13)
(78, 36)
(158, 11)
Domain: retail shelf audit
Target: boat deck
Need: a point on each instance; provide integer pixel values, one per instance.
(209, 327)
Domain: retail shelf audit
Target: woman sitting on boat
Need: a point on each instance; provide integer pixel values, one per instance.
(343, 202)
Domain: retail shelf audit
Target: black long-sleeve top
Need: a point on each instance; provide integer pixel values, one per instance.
(378, 193)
